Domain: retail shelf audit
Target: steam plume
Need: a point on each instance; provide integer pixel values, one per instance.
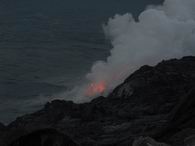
(162, 32)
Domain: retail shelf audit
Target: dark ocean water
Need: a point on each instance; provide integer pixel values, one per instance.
(41, 54)
(45, 52)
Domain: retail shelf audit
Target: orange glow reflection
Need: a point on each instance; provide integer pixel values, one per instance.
(96, 88)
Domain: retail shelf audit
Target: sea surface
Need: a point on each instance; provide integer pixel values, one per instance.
(44, 52)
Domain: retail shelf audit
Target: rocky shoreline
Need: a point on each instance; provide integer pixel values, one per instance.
(156, 102)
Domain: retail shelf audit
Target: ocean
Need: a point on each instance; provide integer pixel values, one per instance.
(43, 53)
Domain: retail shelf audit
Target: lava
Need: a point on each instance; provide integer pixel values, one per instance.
(96, 88)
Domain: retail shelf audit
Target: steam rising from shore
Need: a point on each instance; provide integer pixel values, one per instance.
(161, 32)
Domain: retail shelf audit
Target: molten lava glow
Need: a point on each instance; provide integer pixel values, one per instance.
(96, 88)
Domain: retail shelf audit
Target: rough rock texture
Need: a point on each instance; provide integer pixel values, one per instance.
(154, 101)
(181, 127)
(147, 141)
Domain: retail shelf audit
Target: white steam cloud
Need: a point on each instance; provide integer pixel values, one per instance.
(162, 32)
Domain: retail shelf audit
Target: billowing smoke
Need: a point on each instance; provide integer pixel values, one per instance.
(162, 32)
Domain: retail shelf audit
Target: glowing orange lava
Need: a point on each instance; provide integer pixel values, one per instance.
(96, 88)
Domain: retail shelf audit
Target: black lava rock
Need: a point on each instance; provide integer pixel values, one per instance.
(153, 101)
(44, 137)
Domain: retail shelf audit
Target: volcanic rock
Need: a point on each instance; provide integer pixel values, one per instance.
(153, 101)
(44, 137)
(2, 127)
(147, 141)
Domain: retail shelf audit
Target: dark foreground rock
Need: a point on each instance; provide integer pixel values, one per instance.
(2, 127)
(158, 102)
(44, 137)
(145, 141)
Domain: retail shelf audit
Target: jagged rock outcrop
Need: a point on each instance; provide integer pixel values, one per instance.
(154, 101)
